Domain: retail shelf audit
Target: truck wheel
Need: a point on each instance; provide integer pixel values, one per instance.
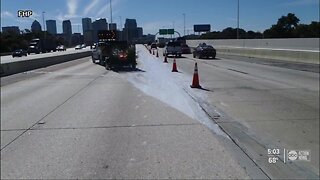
(101, 61)
(107, 67)
(93, 60)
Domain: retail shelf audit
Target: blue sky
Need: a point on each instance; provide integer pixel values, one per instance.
(255, 15)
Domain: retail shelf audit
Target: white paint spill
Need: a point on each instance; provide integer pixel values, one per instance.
(223, 104)
(158, 81)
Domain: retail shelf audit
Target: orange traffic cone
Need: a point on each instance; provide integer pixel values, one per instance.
(195, 80)
(174, 66)
(165, 59)
(157, 54)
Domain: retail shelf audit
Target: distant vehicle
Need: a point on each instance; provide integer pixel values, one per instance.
(153, 46)
(185, 49)
(112, 53)
(78, 47)
(19, 53)
(83, 46)
(41, 45)
(204, 50)
(61, 48)
(172, 48)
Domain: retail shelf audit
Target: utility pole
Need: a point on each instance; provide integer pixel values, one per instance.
(184, 24)
(110, 11)
(44, 25)
(238, 21)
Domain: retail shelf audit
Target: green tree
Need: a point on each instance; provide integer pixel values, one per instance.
(284, 27)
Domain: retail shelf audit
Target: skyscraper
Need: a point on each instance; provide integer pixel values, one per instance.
(35, 26)
(97, 25)
(130, 24)
(51, 26)
(86, 24)
(67, 29)
(112, 26)
(130, 30)
(139, 32)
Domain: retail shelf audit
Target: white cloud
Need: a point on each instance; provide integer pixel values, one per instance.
(90, 6)
(103, 10)
(72, 6)
(6, 14)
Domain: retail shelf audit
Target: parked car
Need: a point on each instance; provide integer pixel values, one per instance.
(172, 48)
(78, 47)
(83, 46)
(61, 48)
(204, 50)
(185, 49)
(19, 53)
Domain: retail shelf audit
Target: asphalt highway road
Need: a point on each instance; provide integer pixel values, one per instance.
(77, 120)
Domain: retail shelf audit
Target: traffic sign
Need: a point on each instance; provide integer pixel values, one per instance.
(170, 31)
(163, 31)
(166, 31)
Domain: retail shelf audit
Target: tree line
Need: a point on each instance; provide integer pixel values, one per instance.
(286, 27)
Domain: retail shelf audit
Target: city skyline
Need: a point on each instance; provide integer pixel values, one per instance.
(164, 14)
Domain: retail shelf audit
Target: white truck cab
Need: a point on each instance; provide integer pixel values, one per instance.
(173, 48)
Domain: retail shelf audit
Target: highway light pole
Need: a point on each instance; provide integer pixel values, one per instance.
(44, 26)
(110, 12)
(184, 24)
(238, 21)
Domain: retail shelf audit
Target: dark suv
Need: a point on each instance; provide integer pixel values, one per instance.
(204, 50)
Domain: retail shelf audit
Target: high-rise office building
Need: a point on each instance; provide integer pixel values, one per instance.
(112, 26)
(67, 29)
(35, 26)
(130, 31)
(139, 32)
(87, 31)
(130, 24)
(51, 26)
(86, 24)
(97, 25)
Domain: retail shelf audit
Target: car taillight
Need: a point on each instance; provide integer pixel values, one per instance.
(123, 55)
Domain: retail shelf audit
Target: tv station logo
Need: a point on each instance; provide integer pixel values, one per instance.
(298, 155)
(24, 13)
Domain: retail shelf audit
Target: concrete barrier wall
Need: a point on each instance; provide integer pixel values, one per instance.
(304, 50)
(294, 43)
(27, 65)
